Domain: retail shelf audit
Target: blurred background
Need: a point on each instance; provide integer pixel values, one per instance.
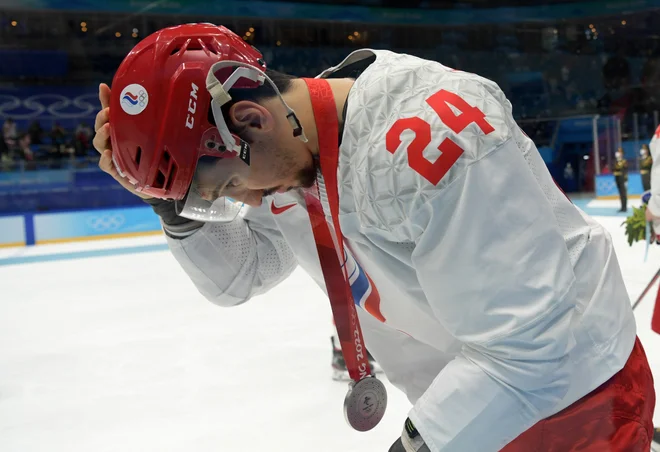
(582, 75)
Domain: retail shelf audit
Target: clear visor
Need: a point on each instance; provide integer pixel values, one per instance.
(217, 184)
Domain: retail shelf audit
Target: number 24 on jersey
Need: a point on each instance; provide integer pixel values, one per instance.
(450, 151)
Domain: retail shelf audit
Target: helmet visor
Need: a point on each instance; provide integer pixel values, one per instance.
(219, 181)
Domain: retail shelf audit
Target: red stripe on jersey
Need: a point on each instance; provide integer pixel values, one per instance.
(372, 303)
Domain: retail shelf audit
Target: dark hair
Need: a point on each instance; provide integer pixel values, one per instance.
(282, 81)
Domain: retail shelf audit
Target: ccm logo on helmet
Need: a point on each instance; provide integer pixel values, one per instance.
(192, 106)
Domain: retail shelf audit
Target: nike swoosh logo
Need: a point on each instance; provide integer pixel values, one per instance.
(278, 210)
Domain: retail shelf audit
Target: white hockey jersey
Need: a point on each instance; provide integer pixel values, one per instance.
(484, 294)
(654, 202)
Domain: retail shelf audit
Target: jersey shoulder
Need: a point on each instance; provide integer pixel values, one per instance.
(654, 145)
(412, 127)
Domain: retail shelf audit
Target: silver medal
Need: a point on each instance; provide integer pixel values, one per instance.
(365, 403)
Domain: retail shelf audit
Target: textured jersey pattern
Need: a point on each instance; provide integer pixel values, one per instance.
(395, 86)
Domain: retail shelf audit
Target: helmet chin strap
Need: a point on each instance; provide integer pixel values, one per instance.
(220, 94)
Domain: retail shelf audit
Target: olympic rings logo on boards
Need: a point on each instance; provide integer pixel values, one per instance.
(106, 223)
(55, 105)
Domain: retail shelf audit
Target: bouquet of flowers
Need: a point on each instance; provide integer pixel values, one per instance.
(636, 225)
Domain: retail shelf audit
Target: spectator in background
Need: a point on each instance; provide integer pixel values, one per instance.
(58, 148)
(5, 158)
(616, 71)
(569, 178)
(24, 148)
(650, 79)
(621, 176)
(616, 78)
(36, 133)
(58, 137)
(10, 133)
(82, 138)
(645, 164)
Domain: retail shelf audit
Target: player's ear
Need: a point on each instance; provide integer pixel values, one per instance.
(251, 117)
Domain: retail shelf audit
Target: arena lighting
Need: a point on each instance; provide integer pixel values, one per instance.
(84, 29)
(623, 22)
(83, 24)
(248, 34)
(135, 35)
(135, 30)
(350, 37)
(278, 43)
(251, 30)
(14, 23)
(118, 35)
(355, 33)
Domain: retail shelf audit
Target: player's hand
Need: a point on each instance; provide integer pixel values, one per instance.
(102, 141)
(655, 225)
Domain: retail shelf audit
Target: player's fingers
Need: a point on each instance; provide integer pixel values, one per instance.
(101, 140)
(102, 117)
(104, 95)
(105, 163)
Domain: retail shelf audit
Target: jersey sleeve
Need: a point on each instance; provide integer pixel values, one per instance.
(654, 146)
(231, 262)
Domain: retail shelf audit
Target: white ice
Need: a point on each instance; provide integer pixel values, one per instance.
(121, 353)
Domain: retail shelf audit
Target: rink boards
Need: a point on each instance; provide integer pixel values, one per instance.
(84, 225)
(59, 227)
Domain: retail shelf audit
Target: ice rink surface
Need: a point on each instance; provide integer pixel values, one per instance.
(107, 346)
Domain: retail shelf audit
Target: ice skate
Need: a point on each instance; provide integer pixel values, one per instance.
(339, 371)
(375, 367)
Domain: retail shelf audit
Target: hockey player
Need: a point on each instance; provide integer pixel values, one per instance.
(483, 293)
(653, 215)
(653, 208)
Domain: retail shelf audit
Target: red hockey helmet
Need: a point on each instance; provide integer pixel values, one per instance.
(163, 140)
